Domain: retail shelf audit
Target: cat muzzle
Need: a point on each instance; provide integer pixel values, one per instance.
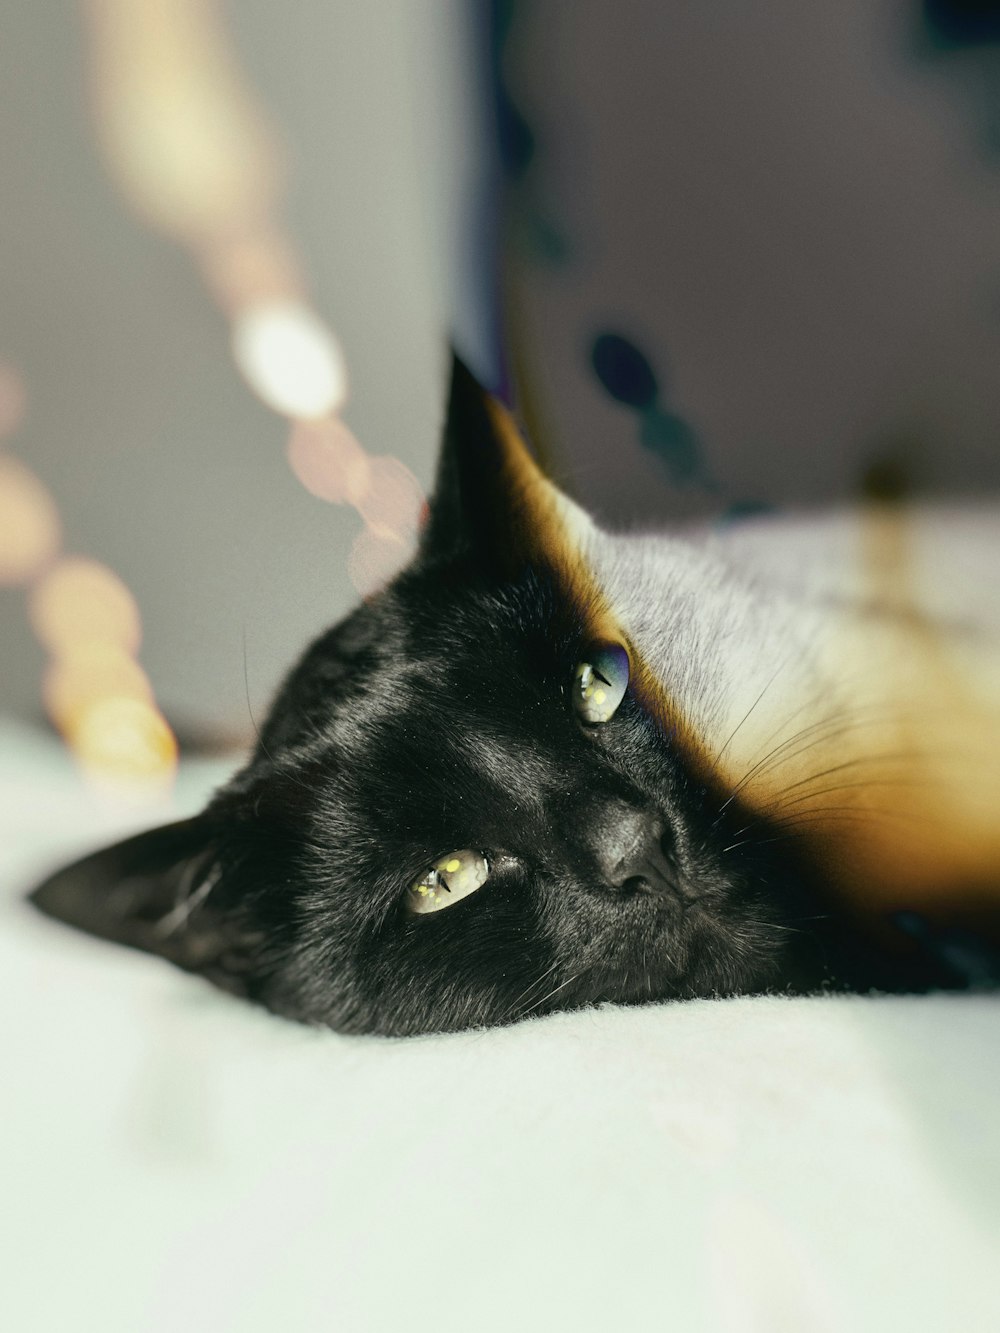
(634, 851)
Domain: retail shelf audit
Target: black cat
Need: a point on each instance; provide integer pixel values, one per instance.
(515, 781)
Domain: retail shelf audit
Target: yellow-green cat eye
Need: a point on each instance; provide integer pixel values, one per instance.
(599, 683)
(449, 880)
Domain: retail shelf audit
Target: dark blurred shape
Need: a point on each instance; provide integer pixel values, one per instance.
(675, 444)
(743, 510)
(626, 375)
(956, 23)
(887, 480)
(530, 230)
(624, 371)
(964, 957)
(515, 139)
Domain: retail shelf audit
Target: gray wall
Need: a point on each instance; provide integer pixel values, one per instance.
(163, 463)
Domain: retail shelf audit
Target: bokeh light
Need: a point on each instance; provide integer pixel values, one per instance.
(192, 152)
(29, 522)
(375, 558)
(13, 400)
(250, 268)
(182, 133)
(94, 689)
(82, 601)
(329, 461)
(290, 359)
(191, 149)
(87, 673)
(120, 740)
(393, 504)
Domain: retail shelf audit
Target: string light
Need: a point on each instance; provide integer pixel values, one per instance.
(95, 691)
(290, 359)
(329, 461)
(29, 523)
(82, 601)
(85, 673)
(191, 149)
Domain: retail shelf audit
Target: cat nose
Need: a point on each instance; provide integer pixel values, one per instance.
(633, 850)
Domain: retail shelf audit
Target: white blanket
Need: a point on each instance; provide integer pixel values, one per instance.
(176, 1160)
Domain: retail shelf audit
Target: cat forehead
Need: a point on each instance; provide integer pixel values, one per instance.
(417, 642)
(444, 734)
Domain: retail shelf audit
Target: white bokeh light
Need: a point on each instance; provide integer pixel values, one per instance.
(290, 358)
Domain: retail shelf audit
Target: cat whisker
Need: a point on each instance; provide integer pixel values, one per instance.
(900, 756)
(818, 733)
(756, 768)
(733, 734)
(530, 987)
(848, 814)
(853, 717)
(761, 764)
(772, 925)
(545, 998)
(246, 691)
(253, 721)
(864, 785)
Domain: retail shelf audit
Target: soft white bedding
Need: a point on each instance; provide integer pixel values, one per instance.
(176, 1160)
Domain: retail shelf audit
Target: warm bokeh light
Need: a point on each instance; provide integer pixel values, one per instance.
(328, 461)
(87, 673)
(375, 559)
(29, 522)
(13, 400)
(124, 740)
(330, 464)
(95, 691)
(248, 269)
(82, 601)
(176, 121)
(394, 502)
(192, 152)
(290, 358)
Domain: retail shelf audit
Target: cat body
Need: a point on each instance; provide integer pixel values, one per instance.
(551, 766)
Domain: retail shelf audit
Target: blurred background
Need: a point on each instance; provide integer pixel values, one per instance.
(722, 257)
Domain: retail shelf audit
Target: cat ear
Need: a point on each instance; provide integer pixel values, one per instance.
(491, 501)
(153, 892)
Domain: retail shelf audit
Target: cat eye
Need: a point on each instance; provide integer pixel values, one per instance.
(448, 881)
(599, 683)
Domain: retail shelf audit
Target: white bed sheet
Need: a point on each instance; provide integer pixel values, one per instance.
(174, 1159)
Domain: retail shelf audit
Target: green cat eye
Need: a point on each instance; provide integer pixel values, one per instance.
(599, 683)
(449, 880)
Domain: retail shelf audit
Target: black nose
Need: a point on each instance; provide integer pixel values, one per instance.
(633, 849)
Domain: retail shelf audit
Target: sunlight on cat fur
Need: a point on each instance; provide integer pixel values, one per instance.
(852, 694)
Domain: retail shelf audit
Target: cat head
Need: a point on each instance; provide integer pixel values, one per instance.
(462, 809)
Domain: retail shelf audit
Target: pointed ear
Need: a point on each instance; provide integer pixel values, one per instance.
(153, 892)
(491, 502)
